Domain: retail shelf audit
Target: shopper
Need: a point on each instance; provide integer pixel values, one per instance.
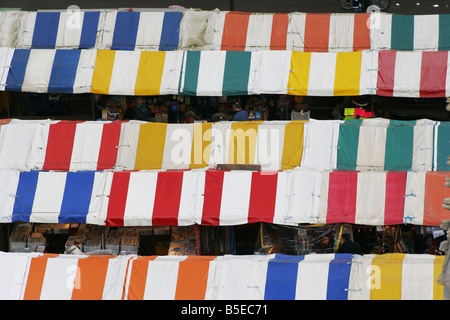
(240, 114)
(141, 111)
(75, 248)
(348, 246)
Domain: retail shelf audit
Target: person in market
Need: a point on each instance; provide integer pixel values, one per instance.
(240, 114)
(75, 248)
(141, 110)
(348, 246)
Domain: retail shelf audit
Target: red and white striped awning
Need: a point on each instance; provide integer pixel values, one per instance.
(219, 198)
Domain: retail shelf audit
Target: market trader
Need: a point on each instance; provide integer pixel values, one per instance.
(141, 111)
(348, 246)
(240, 115)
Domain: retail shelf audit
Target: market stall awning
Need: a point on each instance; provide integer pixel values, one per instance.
(219, 198)
(222, 30)
(187, 30)
(369, 144)
(383, 144)
(413, 74)
(246, 31)
(49, 70)
(33, 276)
(136, 72)
(333, 74)
(423, 198)
(410, 32)
(225, 73)
(103, 29)
(138, 145)
(59, 145)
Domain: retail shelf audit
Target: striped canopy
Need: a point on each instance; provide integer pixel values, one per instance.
(413, 74)
(410, 32)
(383, 198)
(219, 198)
(225, 73)
(187, 30)
(32, 276)
(223, 30)
(65, 171)
(104, 29)
(333, 74)
(245, 31)
(368, 145)
(423, 198)
(383, 144)
(49, 70)
(229, 73)
(136, 72)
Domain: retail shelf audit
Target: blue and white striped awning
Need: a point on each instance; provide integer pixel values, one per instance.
(105, 29)
(47, 70)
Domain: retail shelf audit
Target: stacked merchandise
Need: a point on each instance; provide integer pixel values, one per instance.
(92, 244)
(27, 237)
(112, 241)
(36, 242)
(295, 240)
(93, 239)
(183, 241)
(19, 238)
(129, 242)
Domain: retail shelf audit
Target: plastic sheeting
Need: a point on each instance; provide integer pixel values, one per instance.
(258, 277)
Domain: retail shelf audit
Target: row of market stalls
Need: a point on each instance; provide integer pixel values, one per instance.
(256, 277)
(193, 29)
(225, 73)
(223, 209)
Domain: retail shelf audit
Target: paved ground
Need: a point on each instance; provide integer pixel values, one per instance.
(397, 6)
